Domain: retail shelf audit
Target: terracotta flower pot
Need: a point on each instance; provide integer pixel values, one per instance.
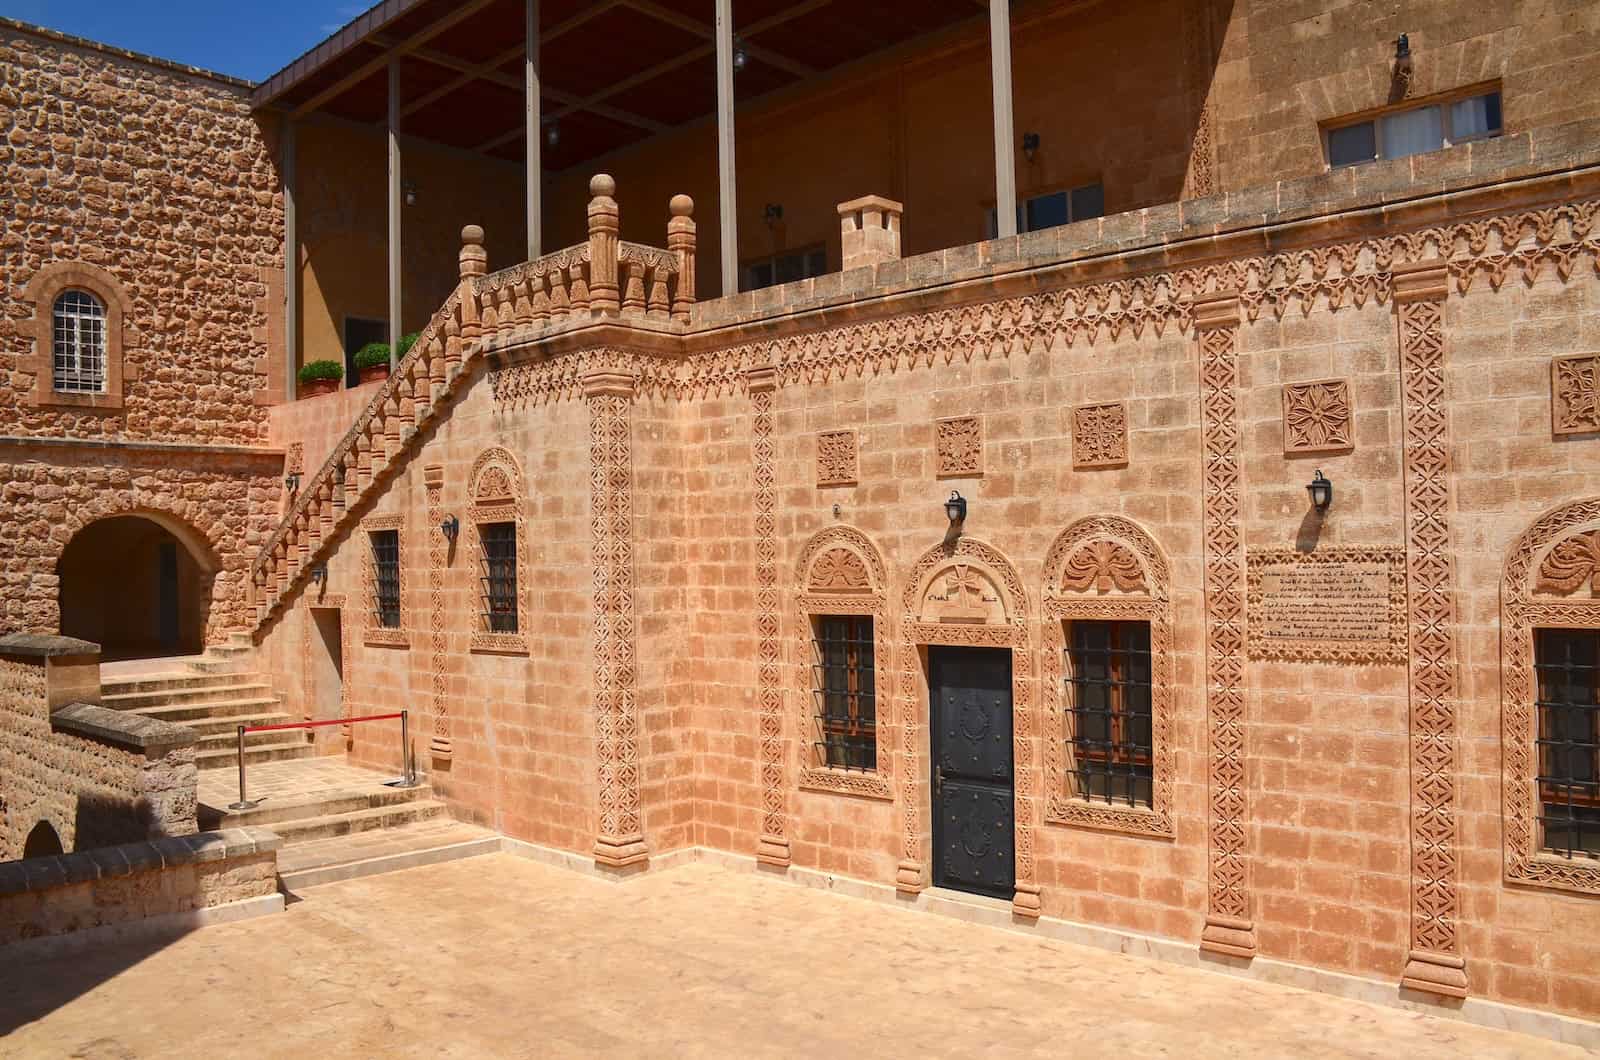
(374, 374)
(318, 387)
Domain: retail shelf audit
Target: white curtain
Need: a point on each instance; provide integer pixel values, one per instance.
(1469, 119)
(1413, 132)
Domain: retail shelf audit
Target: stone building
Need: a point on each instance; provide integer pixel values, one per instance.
(1184, 522)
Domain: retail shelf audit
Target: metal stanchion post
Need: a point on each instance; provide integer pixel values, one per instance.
(243, 803)
(408, 773)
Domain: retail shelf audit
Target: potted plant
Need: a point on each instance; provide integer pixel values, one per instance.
(408, 341)
(372, 361)
(320, 377)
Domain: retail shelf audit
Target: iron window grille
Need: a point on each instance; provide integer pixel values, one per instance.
(1108, 695)
(1568, 665)
(499, 576)
(79, 328)
(386, 569)
(845, 689)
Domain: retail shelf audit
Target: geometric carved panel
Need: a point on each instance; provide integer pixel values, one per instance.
(1574, 401)
(836, 458)
(959, 446)
(1316, 416)
(1100, 435)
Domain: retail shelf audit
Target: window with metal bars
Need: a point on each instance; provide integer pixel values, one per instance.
(79, 329)
(1568, 665)
(845, 688)
(386, 573)
(1108, 697)
(499, 576)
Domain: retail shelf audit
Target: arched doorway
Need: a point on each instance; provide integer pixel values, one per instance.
(42, 842)
(137, 585)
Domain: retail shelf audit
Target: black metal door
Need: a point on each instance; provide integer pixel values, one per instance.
(973, 818)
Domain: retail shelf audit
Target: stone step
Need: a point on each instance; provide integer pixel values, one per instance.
(273, 811)
(227, 757)
(229, 725)
(229, 740)
(174, 680)
(184, 713)
(340, 824)
(349, 857)
(192, 694)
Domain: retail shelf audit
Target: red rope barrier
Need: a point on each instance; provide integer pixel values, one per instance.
(319, 724)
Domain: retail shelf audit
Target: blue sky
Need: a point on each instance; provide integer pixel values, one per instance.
(252, 39)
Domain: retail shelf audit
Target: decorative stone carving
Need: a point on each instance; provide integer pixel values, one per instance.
(1521, 612)
(962, 593)
(294, 460)
(836, 458)
(1434, 963)
(621, 840)
(958, 446)
(1100, 435)
(983, 569)
(1331, 605)
(843, 574)
(375, 635)
(773, 848)
(1571, 563)
(1229, 927)
(498, 494)
(1102, 565)
(1316, 417)
(1574, 396)
(1147, 599)
(438, 555)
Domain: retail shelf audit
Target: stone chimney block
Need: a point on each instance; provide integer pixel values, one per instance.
(869, 231)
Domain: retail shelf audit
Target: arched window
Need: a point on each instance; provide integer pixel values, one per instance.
(78, 327)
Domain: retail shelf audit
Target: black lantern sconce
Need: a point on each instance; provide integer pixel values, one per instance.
(1402, 49)
(773, 214)
(319, 573)
(450, 528)
(291, 481)
(1321, 491)
(409, 190)
(955, 509)
(552, 134)
(1030, 145)
(741, 58)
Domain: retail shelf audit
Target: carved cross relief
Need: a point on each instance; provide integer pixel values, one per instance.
(962, 593)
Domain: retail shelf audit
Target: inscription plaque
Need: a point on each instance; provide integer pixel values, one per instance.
(1334, 605)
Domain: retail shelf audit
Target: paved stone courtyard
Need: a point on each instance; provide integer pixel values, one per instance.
(500, 956)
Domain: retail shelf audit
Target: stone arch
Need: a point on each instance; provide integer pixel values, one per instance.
(841, 572)
(137, 581)
(43, 841)
(496, 493)
(1106, 568)
(496, 476)
(48, 284)
(1551, 578)
(974, 557)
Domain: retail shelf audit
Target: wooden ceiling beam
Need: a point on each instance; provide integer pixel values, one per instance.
(706, 31)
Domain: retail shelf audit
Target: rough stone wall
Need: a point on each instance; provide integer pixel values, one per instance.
(167, 181)
(91, 793)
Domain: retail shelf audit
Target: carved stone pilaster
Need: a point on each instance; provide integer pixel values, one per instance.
(433, 482)
(774, 846)
(609, 394)
(1434, 964)
(1229, 928)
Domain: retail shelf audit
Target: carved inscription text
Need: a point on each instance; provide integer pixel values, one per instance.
(1345, 605)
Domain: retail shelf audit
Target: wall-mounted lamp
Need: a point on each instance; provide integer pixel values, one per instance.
(291, 481)
(409, 189)
(1321, 491)
(552, 134)
(1030, 145)
(741, 58)
(450, 528)
(955, 509)
(1402, 48)
(772, 214)
(319, 573)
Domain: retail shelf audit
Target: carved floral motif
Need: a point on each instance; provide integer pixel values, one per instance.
(1316, 416)
(839, 570)
(958, 446)
(1571, 563)
(836, 458)
(1574, 396)
(1102, 565)
(1100, 435)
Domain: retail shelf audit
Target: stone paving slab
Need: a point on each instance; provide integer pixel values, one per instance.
(500, 956)
(294, 780)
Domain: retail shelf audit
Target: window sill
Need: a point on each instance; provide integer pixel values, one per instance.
(499, 644)
(387, 638)
(1129, 820)
(1550, 871)
(862, 784)
(108, 402)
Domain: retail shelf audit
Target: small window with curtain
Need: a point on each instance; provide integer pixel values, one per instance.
(1052, 209)
(1414, 129)
(79, 328)
(1108, 697)
(386, 575)
(1567, 662)
(499, 577)
(845, 691)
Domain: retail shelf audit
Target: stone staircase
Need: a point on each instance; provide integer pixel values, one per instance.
(214, 700)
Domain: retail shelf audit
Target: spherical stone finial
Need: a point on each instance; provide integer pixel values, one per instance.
(681, 206)
(471, 235)
(602, 185)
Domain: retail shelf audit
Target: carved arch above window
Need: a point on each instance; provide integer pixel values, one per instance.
(841, 572)
(496, 493)
(1107, 569)
(47, 286)
(1549, 581)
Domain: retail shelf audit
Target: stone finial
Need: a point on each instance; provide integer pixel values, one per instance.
(474, 259)
(604, 223)
(681, 242)
(869, 231)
